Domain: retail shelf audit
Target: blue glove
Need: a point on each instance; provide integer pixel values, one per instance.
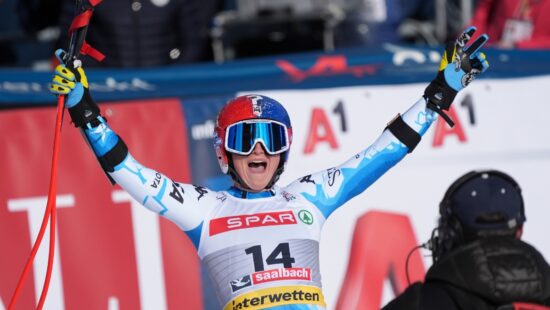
(65, 82)
(460, 65)
(71, 81)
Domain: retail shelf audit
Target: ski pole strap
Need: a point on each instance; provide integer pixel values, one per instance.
(82, 20)
(404, 132)
(87, 49)
(434, 107)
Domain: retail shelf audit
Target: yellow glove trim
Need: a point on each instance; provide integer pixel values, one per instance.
(57, 79)
(59, 90)
(83, 78)
(445, 60)
(64, 72)
(443, 63)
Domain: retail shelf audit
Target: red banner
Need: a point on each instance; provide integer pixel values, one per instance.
(108, 249)
(379, 250)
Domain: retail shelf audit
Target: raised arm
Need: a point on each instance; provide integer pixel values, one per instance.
(152, 189)
(331, 188)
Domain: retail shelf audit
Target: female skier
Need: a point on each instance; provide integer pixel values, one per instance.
(258, 241)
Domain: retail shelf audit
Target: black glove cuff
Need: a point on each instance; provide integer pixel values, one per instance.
(439, 93)
(86, 111)
(439, 97)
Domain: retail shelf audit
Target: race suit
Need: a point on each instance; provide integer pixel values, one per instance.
(261, 250)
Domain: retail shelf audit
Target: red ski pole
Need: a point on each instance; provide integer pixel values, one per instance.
(77, 45)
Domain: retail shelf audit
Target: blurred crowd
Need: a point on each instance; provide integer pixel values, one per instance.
(147, 33)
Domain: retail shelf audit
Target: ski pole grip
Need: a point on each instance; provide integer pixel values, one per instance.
(77, 32)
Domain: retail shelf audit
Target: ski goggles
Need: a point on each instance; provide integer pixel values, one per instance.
(241, 137)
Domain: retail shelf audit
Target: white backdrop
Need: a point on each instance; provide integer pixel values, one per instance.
(511, 133)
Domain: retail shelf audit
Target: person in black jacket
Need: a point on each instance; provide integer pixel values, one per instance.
(479, 260)
(147, 33)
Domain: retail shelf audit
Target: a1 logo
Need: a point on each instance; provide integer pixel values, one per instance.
(306, 217)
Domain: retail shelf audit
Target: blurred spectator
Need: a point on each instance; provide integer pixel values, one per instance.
(36, 15)
(514, 23)
(145, 33)
(7, 54)
(266, 27)
(479, 260)
(370, 22)
(457, 16)
(135, 33)
(25, 39)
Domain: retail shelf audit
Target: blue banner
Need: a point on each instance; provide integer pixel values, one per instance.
(388, 65)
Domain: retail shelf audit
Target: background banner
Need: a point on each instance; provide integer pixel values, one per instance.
(114, 254)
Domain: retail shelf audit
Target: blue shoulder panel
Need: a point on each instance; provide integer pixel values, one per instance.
(195, 235)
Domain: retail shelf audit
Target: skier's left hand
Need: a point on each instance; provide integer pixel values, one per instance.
(460, 65)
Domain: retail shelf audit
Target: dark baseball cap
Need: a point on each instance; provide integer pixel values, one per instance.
(487, 201)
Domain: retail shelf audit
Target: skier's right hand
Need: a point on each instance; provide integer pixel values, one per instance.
(70, 80)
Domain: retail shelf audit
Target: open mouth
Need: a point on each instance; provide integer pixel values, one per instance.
(257, 166)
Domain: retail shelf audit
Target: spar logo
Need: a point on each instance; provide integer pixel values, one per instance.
(303, 274)
(224, 224)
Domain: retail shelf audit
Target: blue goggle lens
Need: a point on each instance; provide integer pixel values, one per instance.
(242, 137)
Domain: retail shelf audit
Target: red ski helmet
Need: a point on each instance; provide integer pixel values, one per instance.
(247, 120)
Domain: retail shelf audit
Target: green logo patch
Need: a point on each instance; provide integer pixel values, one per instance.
(306, 217)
